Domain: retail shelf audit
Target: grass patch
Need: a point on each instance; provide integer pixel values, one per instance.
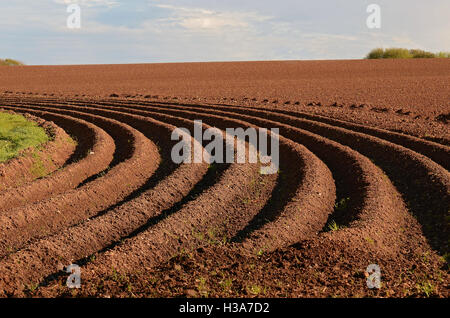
(425, 288)
(332, 226)
(38, 169)
(400, 53)
(17, 133)
(9, 62)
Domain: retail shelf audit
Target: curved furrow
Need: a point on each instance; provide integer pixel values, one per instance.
(209, 219)
(282, 231)
(293, 205)
(50, 216)
(188, 229)
(437, 152)
(93, 154)
(381, 176)
(424, 184)
(37, 162)
(119, 222)
(308, 226)
(368, 199)
(440, 153)
(290, 210)
(95, 234)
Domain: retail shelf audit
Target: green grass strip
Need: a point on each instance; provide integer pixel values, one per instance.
(17, 133)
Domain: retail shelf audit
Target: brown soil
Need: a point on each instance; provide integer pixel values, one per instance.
(364, 179)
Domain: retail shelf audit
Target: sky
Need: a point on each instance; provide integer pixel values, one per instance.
(152, 31)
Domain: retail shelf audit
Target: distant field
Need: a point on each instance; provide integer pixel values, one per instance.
(418, 85)
(17, 133)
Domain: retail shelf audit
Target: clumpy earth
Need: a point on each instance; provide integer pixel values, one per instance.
(364, 179)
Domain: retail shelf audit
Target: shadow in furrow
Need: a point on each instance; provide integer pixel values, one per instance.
(290, 177)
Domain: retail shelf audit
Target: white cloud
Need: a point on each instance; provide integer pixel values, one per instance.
(199, 19)
(90, 3)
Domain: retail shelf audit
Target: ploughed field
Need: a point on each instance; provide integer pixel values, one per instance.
(363, 179)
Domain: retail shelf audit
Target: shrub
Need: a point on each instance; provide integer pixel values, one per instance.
(399, 53)
(375, 54)
(396, 53)
(443, 55)
(10, 62)
(420, 54)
